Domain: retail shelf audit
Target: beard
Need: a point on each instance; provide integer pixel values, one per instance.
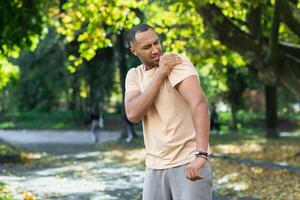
(150, 63)
(154, 63)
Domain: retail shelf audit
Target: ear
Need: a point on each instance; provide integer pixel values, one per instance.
(133, 51)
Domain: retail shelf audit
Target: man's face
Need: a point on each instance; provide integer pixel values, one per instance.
(147, 47)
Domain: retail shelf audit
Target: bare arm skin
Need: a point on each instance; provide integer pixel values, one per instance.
(137, 104)
(192, 92)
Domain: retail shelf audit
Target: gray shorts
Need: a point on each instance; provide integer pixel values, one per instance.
(172, 184)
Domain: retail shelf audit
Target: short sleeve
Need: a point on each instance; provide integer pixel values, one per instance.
(182, 71)
(131, 82)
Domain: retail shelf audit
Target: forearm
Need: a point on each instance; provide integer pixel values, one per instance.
(139, 106)
(202, 125)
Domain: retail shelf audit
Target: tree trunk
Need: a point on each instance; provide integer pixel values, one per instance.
(234, 117)
(76, 104)
(237, 86)
(2, 104)
(127, 128)
(271, 111)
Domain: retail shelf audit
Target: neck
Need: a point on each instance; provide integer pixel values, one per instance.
(148, 67)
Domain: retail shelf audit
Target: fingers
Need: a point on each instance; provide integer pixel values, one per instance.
(192, 173)
(167, 62)
(170, 57)
(173, 64)
(174, 61)
(174, 57)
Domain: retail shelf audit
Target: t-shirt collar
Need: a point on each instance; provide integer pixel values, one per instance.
(144, 68)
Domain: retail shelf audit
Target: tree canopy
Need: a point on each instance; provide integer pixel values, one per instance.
(228, 41)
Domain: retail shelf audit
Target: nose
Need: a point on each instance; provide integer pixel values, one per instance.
(155, 50)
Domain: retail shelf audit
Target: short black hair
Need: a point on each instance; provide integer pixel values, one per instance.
(136, 29)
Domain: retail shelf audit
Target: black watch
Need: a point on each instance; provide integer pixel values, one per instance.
(201, 153)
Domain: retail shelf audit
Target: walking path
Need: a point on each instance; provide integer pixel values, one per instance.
(25, 137)
(72, 167)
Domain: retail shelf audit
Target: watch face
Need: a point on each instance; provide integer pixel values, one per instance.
(201, 153)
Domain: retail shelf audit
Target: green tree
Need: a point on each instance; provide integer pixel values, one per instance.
(88, 26)
(21, 21)
(42, 74)
(265, 33)
(260, 34)
(240, 28)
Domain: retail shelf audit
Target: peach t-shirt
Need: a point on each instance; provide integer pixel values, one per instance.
(169, 133)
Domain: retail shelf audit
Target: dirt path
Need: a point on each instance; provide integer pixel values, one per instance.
(25, 137)
(72, 167)
(74, 172)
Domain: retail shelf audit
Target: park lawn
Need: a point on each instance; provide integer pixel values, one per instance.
(240, 180)
(56, 120)
(39, 120)
(6, 149)
(4, 192)
(283, 150)
(64, 120)
(9, 153)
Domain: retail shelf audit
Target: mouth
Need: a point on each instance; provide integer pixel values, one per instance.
(156, 58)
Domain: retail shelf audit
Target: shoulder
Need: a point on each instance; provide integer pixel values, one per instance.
(185, 60)
(185, 64)
(182, 71)
(134, 71)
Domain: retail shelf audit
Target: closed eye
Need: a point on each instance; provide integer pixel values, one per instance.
(147, 46)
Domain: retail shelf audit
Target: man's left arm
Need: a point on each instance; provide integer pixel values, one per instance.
(191, 91)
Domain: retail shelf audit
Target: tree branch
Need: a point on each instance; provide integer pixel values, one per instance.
(289, 16)
(290, 50)
(254, 22)
(295, 2)
(238, 21)
(228, 33)
(272, 54)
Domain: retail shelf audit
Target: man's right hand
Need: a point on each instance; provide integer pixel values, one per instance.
(167, 62)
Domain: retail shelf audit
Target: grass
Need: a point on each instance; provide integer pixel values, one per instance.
(244, 181)
(247, 121)
(255, 121)
(257, 147)
(37, 120)
(6, 149)
(4, 192)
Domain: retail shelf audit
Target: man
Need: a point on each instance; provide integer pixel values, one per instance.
(165, 92)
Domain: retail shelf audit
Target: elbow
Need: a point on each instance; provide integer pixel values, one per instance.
(132, 118)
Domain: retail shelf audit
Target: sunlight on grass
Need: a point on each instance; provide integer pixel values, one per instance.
(28, 196)
(5, 192)
(5, 149)
(59, 125)
(246, 181)
(280, 151)
(250, 147)
(6, 125)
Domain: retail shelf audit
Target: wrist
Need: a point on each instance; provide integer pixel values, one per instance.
(201, 153)
(201, 159)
